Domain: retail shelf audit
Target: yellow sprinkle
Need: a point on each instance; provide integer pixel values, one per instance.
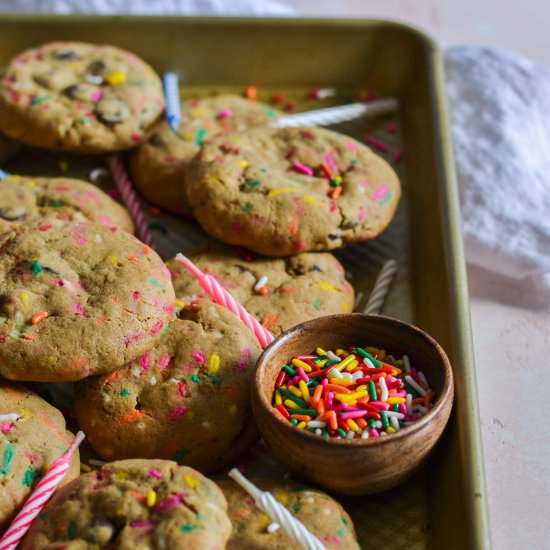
(341, 381)
(396, 400)
(390, 429)
(214, 363)
(244, 163)
(322, 363)
(30, 183)
(151, 498)
(342, 352)
(281, 191)
(278, 399)
(121, 475)
(264, 520)
(320, 351)
(345, 307)
(23, 413)
(301, 425)
(116, 78)
(353, 425)
(337, 179)
(310, 199)
(290, 404)
(345, 397)
(187, 136)
(24, 297)
(51, 358)
(345, 362)
(113, 259)
(282, 498)
(299, 363)
(325, 285)
(191, 481)
(13, 177)
(352, 365)
(295, 391)
(233, 409)
(304, 389)
(180, 303)
(197, 113)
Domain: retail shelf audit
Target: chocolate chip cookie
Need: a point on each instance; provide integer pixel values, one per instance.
(32, 436)
(254, 530)
(187, 399)
(74, 96)
(134, 505)
(158, 166)
(279, 292)
(23, 199)
(289, 190)
(77, 299)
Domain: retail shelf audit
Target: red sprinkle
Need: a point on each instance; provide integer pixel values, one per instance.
(376, 143)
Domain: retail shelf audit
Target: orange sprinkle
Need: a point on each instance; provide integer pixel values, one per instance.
(251, 92)
(288, 290)
(316, 395)
(335, 192)
(132, 416)
(321, 407)
(336, 388)
(361, 422)
(132, 258)
(363, 401)
(293, 227)
(137, 495)
(428, 399)
(269, 321)
(331, 417)
(304, 417)
(37, 317)
(147, 249)
(263, 291)
(114, 376)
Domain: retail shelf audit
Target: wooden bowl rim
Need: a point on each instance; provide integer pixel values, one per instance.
(446, 395)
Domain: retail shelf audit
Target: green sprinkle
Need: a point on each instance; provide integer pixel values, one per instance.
(341, 432)
(372, 391)
(364, 353)
(371, 423)
(317, 303)
(289, 370)
(187, 528)
(200, 135)
(386, 198)
(72, 530)
(292, 397)
(7, 459)
(251, 184)
(248, 206)
(296, 507)
(395, 408)
(309, 412)
(384, 418)
(125, 392)
(39, 99)
(29, 477)
(325, 433)
(195, 378)
(331, 362)
(56, 203)
(84, 121)
(155, 282)
(411, 390)
(335, 183)
(293, 421)
(36, 267)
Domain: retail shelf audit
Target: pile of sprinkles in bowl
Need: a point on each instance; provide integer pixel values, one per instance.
(351, 394)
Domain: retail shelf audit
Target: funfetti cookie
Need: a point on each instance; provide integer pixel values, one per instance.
(23, 199)
(187, 399)
(77, 299)
(32, 436)
(320, 514)
(279, 292)
(134, 505)
(158, 166)
(289, 190)
(73, 96)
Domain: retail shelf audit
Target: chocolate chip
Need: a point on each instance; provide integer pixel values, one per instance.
(111, 111)
(96, 68)
(83, 92)
(65, 54)
(156, 140)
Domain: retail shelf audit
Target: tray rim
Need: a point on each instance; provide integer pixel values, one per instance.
(473, 467)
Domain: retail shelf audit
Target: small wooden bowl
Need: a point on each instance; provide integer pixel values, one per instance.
(356, 466)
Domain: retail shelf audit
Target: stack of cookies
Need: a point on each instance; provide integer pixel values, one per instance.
(162, 373)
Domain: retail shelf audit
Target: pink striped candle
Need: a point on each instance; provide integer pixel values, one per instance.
(222, 297)
(126, 189)
(39, 497)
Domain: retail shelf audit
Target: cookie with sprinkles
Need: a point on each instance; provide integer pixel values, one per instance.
(187, 399)
(289, 190)
(24, 199)
(158, 166)
(279, 292)
(138, 504)
(80, 97)
(77, 299)
(319, 513)
(32, 436)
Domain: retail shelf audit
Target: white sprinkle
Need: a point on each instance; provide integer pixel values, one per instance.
(96, 462)
(395, 423)
(368, 362)
(98, 173)
(423, 379)
(409, 403)
(383, 433)
(350, 434)
(98, 238)
(262, 281)
(365, 434)
(333, 357)
(272, 527)
(106, 398)
(136, 372)
(318, 431)
(415, 385)
(334, 373)
(316, 424)
(406, 363)
(324, 93)
(9, 417)
(357, 374)
(393, 414)
(378, 424)
(94, 78)
(152, 380)
(384, 394)
(140, 425)
(347, 376)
